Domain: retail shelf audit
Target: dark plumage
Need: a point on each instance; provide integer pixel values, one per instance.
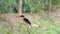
(22, 16)
(26, 20)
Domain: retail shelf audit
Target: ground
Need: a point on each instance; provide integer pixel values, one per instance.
(9, 24)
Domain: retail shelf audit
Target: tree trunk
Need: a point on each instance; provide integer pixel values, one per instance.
(20, 7)
(49, 9)
(50, 4)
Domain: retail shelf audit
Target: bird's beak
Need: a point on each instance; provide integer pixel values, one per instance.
(17, 16)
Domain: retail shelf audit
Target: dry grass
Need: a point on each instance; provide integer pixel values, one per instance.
(11, 25)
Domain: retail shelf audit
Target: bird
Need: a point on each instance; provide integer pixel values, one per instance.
(26, 20)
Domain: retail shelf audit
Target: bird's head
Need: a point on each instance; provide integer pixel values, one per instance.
(21, 16)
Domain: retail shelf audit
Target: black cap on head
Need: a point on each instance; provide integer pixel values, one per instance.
(21, 15)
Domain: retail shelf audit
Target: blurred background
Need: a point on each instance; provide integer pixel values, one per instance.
(43, 14)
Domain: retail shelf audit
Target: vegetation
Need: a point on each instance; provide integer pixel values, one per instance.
(7, 5)
(44, 27)
(37, 10)
(33, 6)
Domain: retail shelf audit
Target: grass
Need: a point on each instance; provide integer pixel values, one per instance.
(45, 27)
